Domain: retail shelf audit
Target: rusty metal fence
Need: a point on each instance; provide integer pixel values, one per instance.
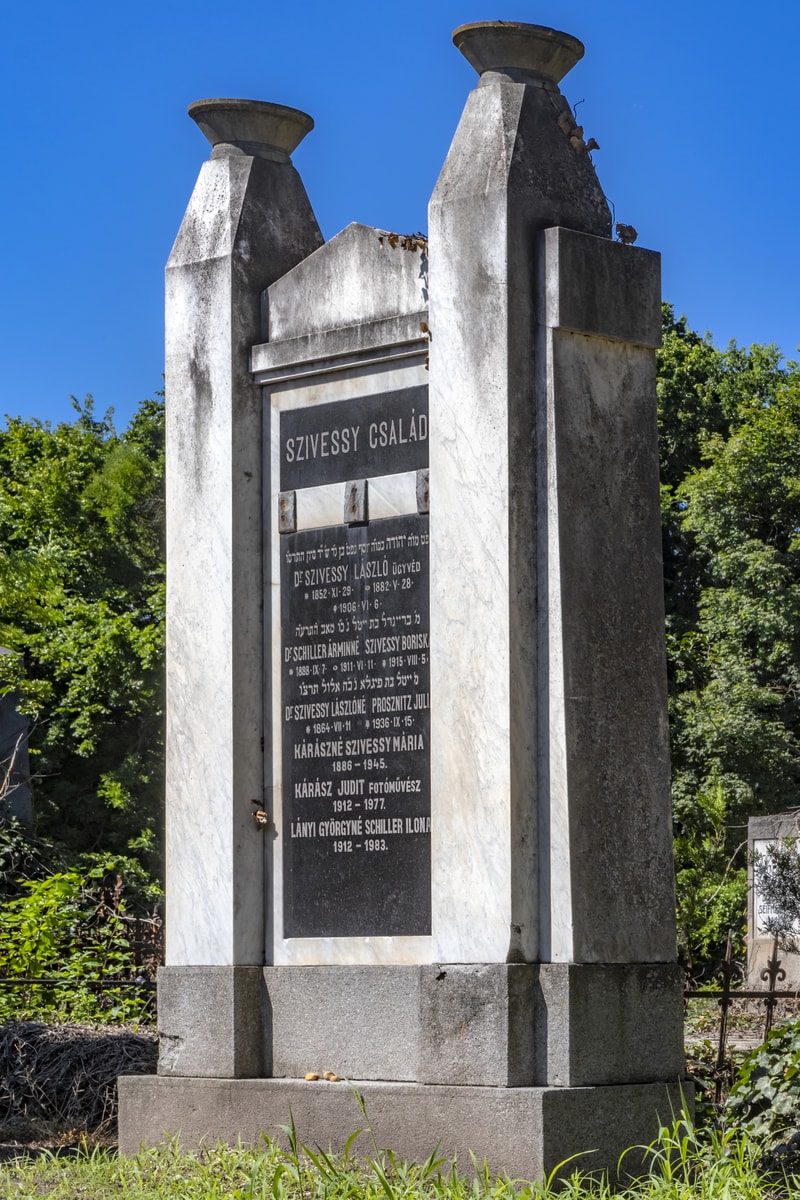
(725, 995)
(145, 937)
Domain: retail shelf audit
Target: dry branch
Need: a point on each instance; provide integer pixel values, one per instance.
(68, 1073)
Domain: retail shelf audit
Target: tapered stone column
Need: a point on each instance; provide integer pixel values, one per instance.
(550, 767)
(515, 167)
(248, 222)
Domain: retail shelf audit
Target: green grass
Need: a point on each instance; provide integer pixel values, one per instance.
(682, 1165)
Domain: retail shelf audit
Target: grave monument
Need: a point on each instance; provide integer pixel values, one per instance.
(761, 833)
(418, 817)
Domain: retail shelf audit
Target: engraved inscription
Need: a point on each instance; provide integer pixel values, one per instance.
(355, 717)
(358, 438)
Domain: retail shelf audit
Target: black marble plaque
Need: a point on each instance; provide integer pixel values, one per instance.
(354, 439)
(355, 713)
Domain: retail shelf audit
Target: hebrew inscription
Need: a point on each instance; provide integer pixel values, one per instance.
(355, 716)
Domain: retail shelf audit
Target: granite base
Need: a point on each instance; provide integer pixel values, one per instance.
(479, 1025)
(522, 1132)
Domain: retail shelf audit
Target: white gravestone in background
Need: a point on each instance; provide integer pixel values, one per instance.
(761, 833)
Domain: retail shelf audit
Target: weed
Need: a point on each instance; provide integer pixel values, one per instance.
(682, 1163)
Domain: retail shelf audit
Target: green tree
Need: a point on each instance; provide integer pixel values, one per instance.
(730, 447)
(82, 605)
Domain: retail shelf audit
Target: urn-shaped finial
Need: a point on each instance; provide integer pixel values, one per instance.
(254, 127)
(516, 50)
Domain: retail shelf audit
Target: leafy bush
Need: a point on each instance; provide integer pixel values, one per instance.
(711, 888)
(765, 1099)
(22, 857)
(70, 921)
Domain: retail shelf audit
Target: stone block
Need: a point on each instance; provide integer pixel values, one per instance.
(359, 1022)
(355, 277)
(593, 285)
(608, 1024)
(491, 1025)
(524, 1132)
(510, 172)
(248, 222)
(212, 1022)
(326, 351)
(477, 1024)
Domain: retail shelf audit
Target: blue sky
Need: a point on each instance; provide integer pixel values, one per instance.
(695, 106)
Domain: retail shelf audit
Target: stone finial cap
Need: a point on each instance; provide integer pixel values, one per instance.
(516, 49)
(254, 127)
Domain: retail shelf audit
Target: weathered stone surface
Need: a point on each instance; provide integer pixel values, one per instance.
(608, 1024)
(493, 1025)
(251, 127)
(510, 171)
(524, 1132)
(359, 1022)
(356, 277)
(248, 222)
(606, 873)
(213, 1022)
(525, 52)
(344, 349)
(477, 1024)
(595, 286)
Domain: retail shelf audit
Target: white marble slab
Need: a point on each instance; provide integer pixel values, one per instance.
(389, 496)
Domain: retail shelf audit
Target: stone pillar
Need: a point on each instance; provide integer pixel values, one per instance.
(511, 171)
(248, 222)
(550, 766)
(607, 892)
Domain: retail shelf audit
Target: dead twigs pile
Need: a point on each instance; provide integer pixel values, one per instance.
(67, 1074)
